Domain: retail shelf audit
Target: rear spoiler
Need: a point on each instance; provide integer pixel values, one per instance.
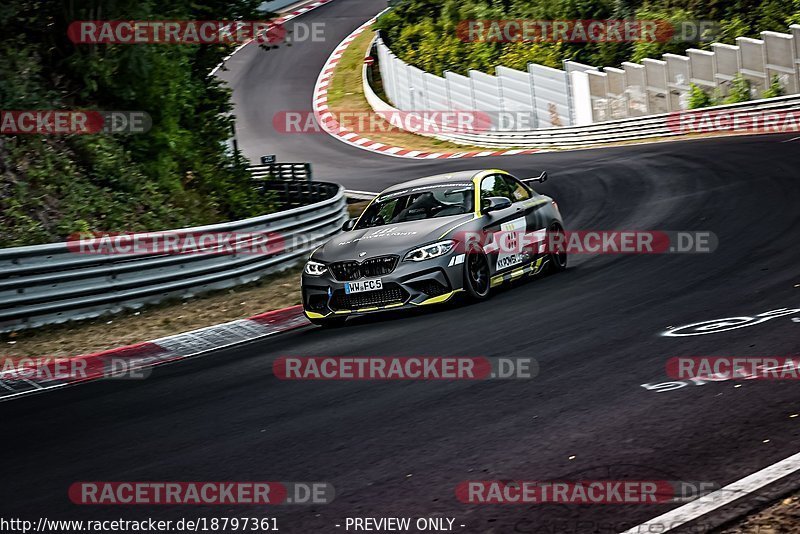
(541, 178)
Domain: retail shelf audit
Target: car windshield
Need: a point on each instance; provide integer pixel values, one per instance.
(441, 200)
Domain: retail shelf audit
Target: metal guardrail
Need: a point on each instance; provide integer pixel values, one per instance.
(294, 193)
(45, 284)
(631, 129)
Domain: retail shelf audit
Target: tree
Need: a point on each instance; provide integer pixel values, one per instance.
(743, 18)
(178, 174)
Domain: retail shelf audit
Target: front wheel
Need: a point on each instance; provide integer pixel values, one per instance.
(477, 279)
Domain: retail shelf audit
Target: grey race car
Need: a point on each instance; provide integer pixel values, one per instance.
(424, 241)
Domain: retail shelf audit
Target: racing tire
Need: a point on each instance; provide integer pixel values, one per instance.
(557, 260)
(477, 276)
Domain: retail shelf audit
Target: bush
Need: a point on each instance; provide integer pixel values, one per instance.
(740, 90)
(775, 89)
(698, 98)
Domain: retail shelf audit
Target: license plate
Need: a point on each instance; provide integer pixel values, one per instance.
(363, 285)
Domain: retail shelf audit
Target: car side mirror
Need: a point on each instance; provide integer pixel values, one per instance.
(349, 224)
(495, 203)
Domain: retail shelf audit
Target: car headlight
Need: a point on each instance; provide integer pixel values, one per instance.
(315, 268)
(434, 250)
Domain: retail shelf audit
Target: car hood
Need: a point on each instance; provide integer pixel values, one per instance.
(388, 239)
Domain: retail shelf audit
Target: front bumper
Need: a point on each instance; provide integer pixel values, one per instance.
(410, 284)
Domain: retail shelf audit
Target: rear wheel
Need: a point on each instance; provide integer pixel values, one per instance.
(477, 281)
(557, 258)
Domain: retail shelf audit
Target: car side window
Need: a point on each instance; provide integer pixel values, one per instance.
(387, 211)
(501, 185)
(518, 190)
(495, 186)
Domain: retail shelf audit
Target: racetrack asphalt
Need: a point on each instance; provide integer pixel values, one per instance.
(400, 448)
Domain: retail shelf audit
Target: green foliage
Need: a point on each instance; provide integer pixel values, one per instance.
(669, 20)
(734, 27)
(739, 92)
(424, 33)
(180, 173)
(698, 98)
(775, 89)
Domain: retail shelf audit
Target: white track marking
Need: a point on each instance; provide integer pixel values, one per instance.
(708, 503)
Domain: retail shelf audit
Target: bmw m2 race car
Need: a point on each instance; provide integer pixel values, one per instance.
(424, 241)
